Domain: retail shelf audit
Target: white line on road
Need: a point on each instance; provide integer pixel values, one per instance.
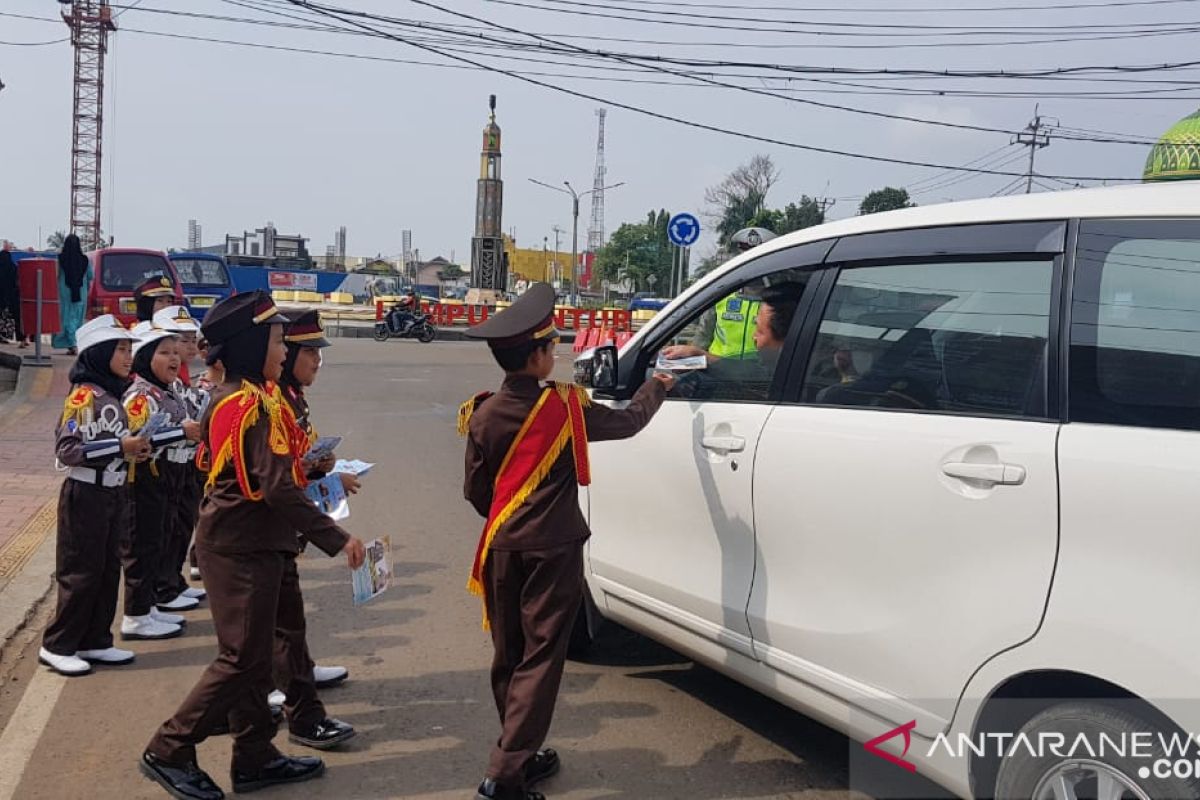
(25, 728)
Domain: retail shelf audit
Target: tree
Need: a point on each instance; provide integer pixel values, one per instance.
(452, 272)
(885, 199)
(55, 240)
(793, 217)
(639, 253)
(741, 196)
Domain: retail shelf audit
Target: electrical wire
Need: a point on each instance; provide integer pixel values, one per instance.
(336, 13)
(918, 10)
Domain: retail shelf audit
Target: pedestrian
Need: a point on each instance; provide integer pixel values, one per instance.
(295, 673)
(74, 279)
(156, 368)
(251, 512)
(180, 467)
(10, 298)
(95, 507)
(526, 456)
(152, 296)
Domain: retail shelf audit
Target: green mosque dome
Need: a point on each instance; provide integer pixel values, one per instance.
(1177, 155)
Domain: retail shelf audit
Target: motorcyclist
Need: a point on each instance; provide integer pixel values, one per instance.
(403, 314)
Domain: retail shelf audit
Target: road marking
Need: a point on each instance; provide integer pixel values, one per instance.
(25, 729)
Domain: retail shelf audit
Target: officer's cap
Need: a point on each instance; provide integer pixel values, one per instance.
(158, 286)
(176, 319)
(529, 319)
(147, 333)
(306, 331)
(104, 328)
(238, 313)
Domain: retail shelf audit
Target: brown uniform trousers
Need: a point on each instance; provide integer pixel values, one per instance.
(92, 522)
(293, 665)
(142, 549)
(533, 597)
(184, 508)
(243, 593)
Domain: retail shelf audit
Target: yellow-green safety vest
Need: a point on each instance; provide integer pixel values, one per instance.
(733, 335)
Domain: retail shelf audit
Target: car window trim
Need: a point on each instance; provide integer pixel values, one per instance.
(792, 392)
(968, 239)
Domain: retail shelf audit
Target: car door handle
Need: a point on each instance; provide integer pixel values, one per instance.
(724, 444)
(996, 474)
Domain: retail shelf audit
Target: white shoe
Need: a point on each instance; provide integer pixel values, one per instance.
(165, 618)
(64, 665)
(146, 627)
(195, 573)
(276, 699)
(180, 603)
(194, 594)
(325, 677)
(112, 656)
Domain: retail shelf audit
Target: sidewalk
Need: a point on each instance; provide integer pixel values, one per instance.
(28, 487)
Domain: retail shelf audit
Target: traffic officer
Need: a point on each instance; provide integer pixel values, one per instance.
(727, 330)
(526, 455)
(95, 509)
(249, 517)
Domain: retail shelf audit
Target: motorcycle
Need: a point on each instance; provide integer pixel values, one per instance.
(420, 328)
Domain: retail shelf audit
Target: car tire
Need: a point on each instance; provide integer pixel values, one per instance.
(587, 624)
(1026, 776)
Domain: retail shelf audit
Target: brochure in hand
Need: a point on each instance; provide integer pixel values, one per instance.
(354, 466)
(687, 364)
(328, 495)
(157, 422)
(375, 575)
(322, 448)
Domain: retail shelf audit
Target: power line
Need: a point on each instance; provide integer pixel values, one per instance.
(920, 10)
(335, 13)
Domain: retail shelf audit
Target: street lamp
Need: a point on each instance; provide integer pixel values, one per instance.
(575, 196)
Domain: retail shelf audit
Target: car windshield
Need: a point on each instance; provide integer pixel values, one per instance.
(201, 273)
(125, 271)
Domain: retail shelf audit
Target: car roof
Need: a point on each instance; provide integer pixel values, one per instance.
(1180, 199)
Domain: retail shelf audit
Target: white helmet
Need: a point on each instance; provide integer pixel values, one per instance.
(748, 238)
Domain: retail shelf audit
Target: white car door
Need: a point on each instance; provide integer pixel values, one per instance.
(671, 514)
(906, 507)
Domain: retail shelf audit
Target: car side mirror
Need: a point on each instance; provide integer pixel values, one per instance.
(597, 369)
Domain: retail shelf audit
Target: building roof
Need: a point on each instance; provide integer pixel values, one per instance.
(1176, 156)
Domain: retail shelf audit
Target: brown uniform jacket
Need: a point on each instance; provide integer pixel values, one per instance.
(90, 430)
(551, 516)
(231, 523)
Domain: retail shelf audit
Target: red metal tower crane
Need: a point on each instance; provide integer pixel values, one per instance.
(90, 22)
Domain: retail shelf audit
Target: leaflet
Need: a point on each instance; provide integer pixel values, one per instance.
(686, 364)
(322, 447)
(375, 575)
(353, 466)
(155, 424)
(328, 495)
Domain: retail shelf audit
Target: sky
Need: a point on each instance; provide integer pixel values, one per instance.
(235, 136)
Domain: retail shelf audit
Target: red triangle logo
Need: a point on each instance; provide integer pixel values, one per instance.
(904, 730)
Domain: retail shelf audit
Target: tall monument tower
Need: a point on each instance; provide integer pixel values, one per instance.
(488, 267)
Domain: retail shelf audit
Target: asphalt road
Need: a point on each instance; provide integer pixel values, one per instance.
(636, 721)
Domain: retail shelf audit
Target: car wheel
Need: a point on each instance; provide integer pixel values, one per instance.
(587, 623)
(1102, 774)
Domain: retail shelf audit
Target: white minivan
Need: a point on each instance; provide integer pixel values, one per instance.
(937, 485)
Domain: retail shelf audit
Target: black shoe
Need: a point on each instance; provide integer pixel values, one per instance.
(544, 764)
(490, 790)
(285, 769)
(188, 782)
(325, 735)
(222, 727)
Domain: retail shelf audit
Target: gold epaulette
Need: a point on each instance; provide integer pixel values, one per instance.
(76, 401)
(565, 389)
(467, 410)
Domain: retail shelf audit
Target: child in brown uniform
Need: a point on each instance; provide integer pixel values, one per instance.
(249, 518)
(95, 506)
(526, 456)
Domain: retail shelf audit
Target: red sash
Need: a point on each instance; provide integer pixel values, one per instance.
(556, 419)
(227, 427)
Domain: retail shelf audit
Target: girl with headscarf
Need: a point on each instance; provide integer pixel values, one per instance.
(94, 445)
(74, 280)
(10, 301)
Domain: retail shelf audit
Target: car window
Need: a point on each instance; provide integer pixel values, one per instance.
(126, 271)
(1135, 325)
(730, 351)
(960, 337)
(201, 272)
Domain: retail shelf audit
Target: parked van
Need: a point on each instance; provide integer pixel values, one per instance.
(117, 272)
(205, 279)
(946, 493)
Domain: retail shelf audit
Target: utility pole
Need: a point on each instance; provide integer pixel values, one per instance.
(1035, 136)
(826, 203)
(575, 197)
(557, 268)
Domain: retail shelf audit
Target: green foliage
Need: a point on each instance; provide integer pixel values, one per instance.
(640, 253)
(885, 199)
